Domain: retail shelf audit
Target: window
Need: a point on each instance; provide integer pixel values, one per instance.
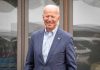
(86, 19)
(8, 34)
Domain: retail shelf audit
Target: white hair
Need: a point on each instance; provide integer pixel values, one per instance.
(52, 6)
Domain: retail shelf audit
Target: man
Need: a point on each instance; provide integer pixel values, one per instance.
(51, 48)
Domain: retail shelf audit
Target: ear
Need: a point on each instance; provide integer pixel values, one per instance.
(59, 17)
(43, 16)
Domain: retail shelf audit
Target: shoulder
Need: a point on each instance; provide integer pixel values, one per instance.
(36, 33)
(65, 34)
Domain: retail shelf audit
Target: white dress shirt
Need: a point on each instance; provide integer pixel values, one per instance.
(47, 42)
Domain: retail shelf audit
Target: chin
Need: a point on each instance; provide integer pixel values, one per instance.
(49, 28)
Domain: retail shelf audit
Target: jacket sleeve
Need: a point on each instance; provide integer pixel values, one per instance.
(29, 64)
(70, 55)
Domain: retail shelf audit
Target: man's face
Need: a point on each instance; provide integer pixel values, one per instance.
(50, 17)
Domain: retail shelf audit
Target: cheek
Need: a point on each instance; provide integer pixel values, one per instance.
(54, 21)
(45, 20)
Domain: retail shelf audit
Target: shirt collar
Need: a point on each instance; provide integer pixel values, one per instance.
(53, 31)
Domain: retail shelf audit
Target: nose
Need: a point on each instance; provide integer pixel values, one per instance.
(49, 18)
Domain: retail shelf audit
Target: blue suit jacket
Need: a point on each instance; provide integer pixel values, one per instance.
(61, 55)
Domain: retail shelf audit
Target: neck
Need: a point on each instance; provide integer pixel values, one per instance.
(49, 30)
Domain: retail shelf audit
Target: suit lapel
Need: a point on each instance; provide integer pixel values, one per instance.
(40, 42)
(54, 44)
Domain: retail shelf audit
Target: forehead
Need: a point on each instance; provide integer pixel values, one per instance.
(48, 11)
